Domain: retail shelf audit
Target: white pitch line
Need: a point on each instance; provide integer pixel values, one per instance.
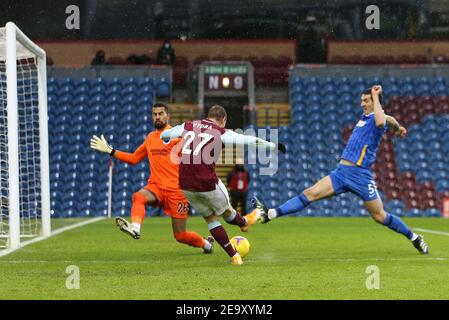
(418, 258)
(432, 231)
(55, 232)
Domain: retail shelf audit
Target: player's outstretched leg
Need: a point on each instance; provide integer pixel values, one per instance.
(220, 235)
(193, 239)
(231, 216)
(137, 215)
(190, 238)
(377, 212)
(320, 190)
(139, 200)
(295, 204)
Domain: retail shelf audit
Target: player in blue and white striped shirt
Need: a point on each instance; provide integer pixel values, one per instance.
(353, 173)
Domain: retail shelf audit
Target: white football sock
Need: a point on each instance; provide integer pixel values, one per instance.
(207, 245)
(136, 226)
(414, 237)
(231, 216)
(272, 214)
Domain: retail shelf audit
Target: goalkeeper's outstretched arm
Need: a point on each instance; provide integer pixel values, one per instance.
(231, 137)
(100, 144)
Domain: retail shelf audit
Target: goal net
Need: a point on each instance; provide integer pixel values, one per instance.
(24, 176)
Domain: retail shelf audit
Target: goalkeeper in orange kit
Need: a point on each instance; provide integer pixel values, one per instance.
(163, 185)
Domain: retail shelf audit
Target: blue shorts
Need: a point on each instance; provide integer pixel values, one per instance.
(354, 179)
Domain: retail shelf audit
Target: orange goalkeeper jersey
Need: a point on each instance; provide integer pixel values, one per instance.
(164, 172)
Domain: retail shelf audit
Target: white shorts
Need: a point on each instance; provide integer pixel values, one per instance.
(210, 202)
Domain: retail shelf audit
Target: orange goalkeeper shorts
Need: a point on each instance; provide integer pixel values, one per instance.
(172, 202)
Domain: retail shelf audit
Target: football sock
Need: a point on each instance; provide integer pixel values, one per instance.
(138, 208)
(207, 245)
(219, 233)
(236, 219)
(191, 238)
(293, 205)
(396, 224)
(136, 226)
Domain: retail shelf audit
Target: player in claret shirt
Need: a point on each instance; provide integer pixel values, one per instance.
(163, 184)
(202, 141)
(353, 174)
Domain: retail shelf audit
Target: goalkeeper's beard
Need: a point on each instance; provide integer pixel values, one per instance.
(159, 125)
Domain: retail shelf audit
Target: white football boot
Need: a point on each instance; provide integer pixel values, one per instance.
(127, 227)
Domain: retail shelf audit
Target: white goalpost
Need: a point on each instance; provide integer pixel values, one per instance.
(24, 163)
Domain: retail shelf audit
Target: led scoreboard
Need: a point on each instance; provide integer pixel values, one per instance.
(227, 79)
(230, 84)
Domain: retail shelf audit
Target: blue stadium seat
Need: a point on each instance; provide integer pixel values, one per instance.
(129, 99)
(98, 89)
(112, 117)
(97, 98)
(114, 98)
(96, 109)
(113, 108)
(145, 90)
(163, 88)
(130, 89)
(147, 81)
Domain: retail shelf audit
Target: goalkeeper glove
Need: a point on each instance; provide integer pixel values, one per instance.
(100, 144)
(281, 148)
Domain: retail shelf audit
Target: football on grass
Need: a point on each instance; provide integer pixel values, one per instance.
(241, 244)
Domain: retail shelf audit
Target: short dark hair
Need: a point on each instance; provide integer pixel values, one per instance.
(368, 91)
(217, 112)
(160, 105)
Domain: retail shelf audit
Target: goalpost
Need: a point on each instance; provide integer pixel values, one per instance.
(24, 164)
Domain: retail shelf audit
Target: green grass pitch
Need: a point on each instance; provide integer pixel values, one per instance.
(290, 258)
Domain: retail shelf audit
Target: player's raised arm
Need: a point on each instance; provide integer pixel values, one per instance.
(100, 144)
(395, 126)
(172, 133)
(231, 137)
(379, 114)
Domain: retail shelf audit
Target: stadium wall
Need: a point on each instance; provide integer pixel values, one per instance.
(395, 48)
(80, 53)
(323, 71)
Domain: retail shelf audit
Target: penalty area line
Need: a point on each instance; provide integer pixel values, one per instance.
(432, 231)
(55, 232)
